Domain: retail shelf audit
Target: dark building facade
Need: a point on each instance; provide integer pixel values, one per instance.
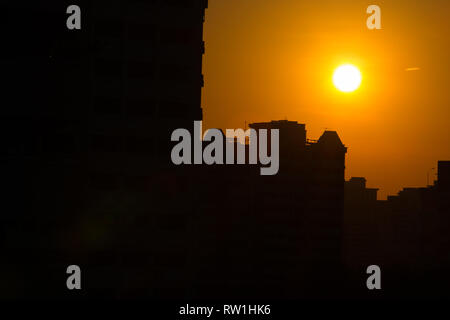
(86, 123)
(302, 210)
(279, 236)
(362, 223)
(406, 235)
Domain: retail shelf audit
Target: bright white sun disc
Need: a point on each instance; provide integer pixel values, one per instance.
(347, 78)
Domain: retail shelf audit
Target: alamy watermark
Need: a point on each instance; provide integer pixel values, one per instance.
(374, 20)
(74, 280)
(74, 20)
(213, 153)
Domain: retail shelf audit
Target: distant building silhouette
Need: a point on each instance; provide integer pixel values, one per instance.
(407, 235)
(444, 175)
(278, 236)
(361, 225)
(443, 186)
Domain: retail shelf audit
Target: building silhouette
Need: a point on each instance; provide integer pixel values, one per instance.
(406, 235)
(274, 236)
(86, 126)
(361, 224)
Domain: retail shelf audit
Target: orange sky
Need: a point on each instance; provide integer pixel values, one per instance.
(273, 59)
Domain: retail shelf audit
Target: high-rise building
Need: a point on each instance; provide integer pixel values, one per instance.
(444, 175)
(87, 117)
(301, 209)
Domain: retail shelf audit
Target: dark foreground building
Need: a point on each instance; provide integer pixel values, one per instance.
(86, 120)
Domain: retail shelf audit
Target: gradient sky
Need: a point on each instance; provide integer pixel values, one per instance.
(273, 59)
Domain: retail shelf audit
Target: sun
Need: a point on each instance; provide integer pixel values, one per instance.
(347, 78)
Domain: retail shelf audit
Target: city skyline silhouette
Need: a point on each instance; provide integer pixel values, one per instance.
(86, 152)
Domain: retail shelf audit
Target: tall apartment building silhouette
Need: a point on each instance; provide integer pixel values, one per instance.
(87, 117)
(310, 188)
(444, 175)
(274, 236)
